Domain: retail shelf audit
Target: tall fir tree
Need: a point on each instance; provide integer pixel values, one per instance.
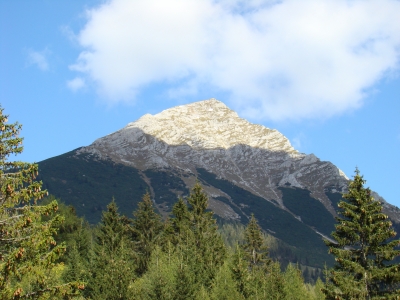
(209, 248)
(241, 273)
(28, 251)
(112, 261)
(294, 288)
(363, 248)
(254, 245)
(224, 286)
(181, 221)
(147, 228)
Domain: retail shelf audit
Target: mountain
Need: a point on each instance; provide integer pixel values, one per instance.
(245, 168)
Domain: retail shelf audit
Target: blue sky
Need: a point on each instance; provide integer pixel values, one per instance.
(325, 73)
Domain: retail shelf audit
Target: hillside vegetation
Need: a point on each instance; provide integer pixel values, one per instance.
(48, 252)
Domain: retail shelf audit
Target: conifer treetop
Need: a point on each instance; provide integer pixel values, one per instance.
(28, 251)
(363, 248)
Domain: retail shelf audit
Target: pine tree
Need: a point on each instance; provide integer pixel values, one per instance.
(224, 286)
(185, 284)
(181, 221)
(147, 228)
(318, 290)
(254, 246)
(160, 279)
(28, 251)
(268, 282)
(294, 284)
(363, 249)
(113, 228)
(209, 250)
(112, 262)
(240, 272)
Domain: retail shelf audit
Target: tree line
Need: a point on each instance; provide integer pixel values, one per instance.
(48, 252)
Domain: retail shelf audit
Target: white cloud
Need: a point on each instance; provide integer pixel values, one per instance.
(276, 59)
(76, 83)
(298, 142)
(39, 58)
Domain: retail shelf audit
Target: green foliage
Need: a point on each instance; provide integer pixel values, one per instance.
(224, 286)
(209, 250)
(232, 233)
(295, 289)
(363, 249)
(146, 229)
(317, 290)
(142, 258)
(28, 251)
(254, 245)
(241, 272)
(268, 282)
(278, 222)
(112, 261)
(112, 273)
(159, 282)
(176, 268)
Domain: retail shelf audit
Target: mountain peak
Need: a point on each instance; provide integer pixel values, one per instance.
(209, 124)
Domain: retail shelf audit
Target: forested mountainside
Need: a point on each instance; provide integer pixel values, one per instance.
(245, 168)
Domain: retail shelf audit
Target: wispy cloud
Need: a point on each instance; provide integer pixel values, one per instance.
(39, 58)
(298, 141)
(280, 60)
(76, 83)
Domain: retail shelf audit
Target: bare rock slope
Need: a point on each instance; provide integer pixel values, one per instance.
(208, 135)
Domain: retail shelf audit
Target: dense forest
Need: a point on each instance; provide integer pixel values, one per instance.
(48, 252)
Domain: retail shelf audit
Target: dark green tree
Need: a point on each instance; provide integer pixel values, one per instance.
(77, 258)
(198, 244)
(28, 251)
(113, 228)
(112, 262)
(254, 245)
(209, 250)
(241, 273)
(181, 221)
(147, 228)
(363, 248)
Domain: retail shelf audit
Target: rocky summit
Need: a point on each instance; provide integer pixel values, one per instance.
(245, 168)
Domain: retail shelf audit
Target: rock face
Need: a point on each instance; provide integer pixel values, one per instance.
(208, 135)
(245, 169)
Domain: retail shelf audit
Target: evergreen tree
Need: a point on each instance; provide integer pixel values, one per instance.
(185, 286)
(363, 249)
(268, 282)
(76, 266)
(112, 257)
(294, 284)
(209, 249)
(180, 224)
(224, 286)
(147, 228)
(160, 279)
(240, 272)
(113, 229)
(254, 246)
(318, 290)
(28, 251)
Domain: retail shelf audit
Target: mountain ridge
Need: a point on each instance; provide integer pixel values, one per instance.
(245, 168)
